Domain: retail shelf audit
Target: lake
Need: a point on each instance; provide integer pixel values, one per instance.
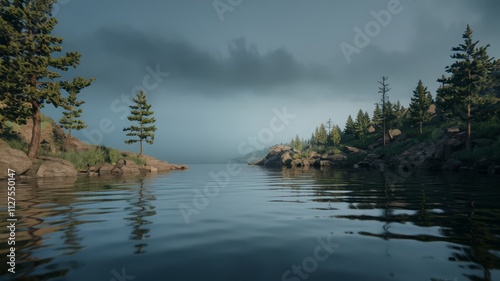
(215, 222)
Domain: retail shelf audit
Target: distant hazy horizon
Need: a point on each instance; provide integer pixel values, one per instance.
(230, 70)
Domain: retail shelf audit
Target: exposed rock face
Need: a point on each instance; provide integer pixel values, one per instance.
(129, 167)
(283, 156)
(394, 133)
(160, 165)
(55, 167)
(12, 159)
(352, 149)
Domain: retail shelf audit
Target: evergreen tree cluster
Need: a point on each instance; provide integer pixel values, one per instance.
(470, 93)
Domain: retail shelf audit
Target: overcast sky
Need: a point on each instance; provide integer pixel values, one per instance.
(218, 72)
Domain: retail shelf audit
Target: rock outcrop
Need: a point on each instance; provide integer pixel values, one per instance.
(14, 159)
(283, 156)
(436, 153)
(55, 167)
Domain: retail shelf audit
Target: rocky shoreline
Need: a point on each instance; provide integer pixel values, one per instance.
(432, 154)
(48, 167)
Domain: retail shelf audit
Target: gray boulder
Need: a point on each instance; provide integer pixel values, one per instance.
(56, 167)
(12, 159)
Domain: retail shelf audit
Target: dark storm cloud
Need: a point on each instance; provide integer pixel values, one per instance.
(243, 68)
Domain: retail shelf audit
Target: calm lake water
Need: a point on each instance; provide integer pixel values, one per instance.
(263, 225)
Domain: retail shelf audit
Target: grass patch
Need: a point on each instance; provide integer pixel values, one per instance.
(490, 152)
(95, 155)
(396, 148)
(489, 130)
(363, 143)
(13, 139)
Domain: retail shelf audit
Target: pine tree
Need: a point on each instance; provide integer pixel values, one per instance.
(377, 117)
(322, 135)
(140, 112)
(469, 85)
(382, 90)
(398, 111)
(419, 105)
(366, 119)
(70, 120)
(329, 125)
(335, 135)
(297, 143)
(28, 66)
(361, 125)
(349, 126)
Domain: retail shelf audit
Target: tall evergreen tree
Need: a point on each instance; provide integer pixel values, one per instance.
(377, 117)
(366, 119)
(70, 120)
(383, 90)
(361, 124)
(469, 85)
(419, 105)
(349, 126)
(336, 135)
(29, 67)
(322, 135)
(398, 112)
(140, 112)
(298, 143)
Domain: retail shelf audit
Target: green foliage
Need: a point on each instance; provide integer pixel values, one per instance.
(335, 136)
(70, 120)
(94, 156)
(377, 117)
(362, 143)
(322, 135)
(140, 113)
(396, 148)
(361, 124)
(467, 93)
(350, 127)
(419, 106)
(29, 66)
(489, 129)
(491, 152)
(296, 143)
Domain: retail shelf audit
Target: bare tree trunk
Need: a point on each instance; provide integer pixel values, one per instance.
(36, 132)
(66, 142)
(140, 151)
(468, 140)
(421, 131)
